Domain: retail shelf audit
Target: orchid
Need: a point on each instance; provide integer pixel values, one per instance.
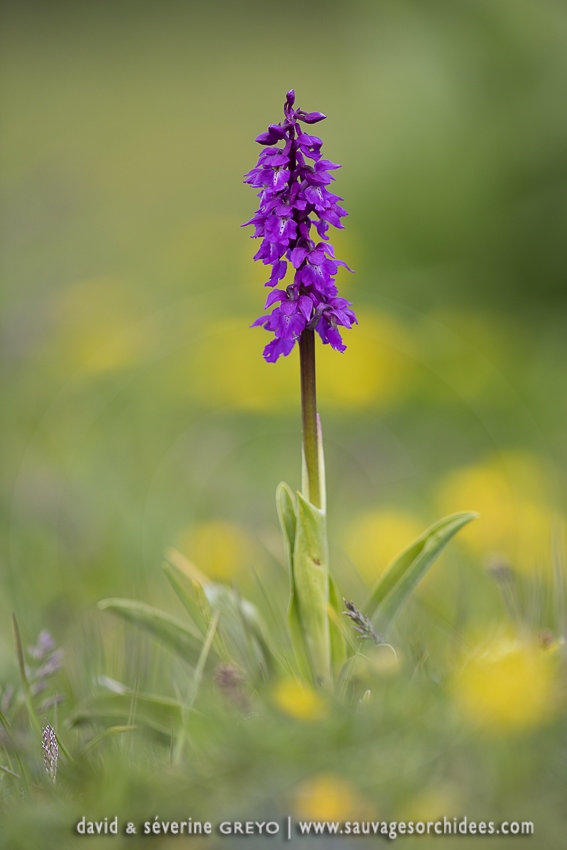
(303, 303)
(294, 198)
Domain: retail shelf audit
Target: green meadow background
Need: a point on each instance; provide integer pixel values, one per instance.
(137, 413)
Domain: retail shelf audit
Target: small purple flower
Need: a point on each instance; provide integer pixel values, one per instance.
(294, 198)
(45, 645)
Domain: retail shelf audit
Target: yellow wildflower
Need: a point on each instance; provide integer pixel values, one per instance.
(300, 701)
(219, 548)
(326, 797)
(507, 687)
(511, 492)
(376, 537)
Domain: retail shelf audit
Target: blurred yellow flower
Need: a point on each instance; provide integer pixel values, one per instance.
(432, 804)
(375, 538)
(512, 495)
(98, 330)
(218, 548)
(226, 368)
(327, 797)
(371, 661)
(374, 370)
(506, 687)
(300, 701)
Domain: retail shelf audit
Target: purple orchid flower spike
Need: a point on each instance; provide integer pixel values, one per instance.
(294, 197)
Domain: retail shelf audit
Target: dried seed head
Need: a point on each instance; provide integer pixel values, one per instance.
(50, 752)
(362, 624)
(501, 571)
(230, 681)
(546, 638)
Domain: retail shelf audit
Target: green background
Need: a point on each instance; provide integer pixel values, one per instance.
(136, 411)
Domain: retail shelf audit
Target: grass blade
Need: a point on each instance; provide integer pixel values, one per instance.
(9, 772)
(195, 684)
(159, 713)
(183, 638)
(184, 588)
(23, 676)
(24, 771)
(395, 586)
(111, 732)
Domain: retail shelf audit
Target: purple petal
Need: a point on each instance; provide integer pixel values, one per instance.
(319, 178)
(273, 134)
(330, 335)
(275, 295)
(297, 256)
(306, 306)
(306, 141)
(277, 347)
(282, 159)
(278, 272)
(316, 257)
(280, 178)
(326, 165)
(311, 117)
(289, 308)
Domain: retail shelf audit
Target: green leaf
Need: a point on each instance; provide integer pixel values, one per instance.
(111, 732)
(63, 749)
(285, 504)
(158, 713)
(23, 676)
(185, 590)
(257, 629)
(311, 587)
(240, 619)
(395, 586)
(6, 726)
(242, 627)
(336, 627)
(199, 669)
(24, 769)
(195, 685)
(183, 638)
(287, 515)
(296, 635)
(9, 772)
(185, 566)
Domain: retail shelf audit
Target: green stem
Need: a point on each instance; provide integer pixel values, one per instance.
(309, 416)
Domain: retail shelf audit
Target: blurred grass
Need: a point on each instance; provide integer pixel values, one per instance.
(136, 411)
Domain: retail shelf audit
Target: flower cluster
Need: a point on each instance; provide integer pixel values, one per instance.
(48, 660)
(293, 198)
